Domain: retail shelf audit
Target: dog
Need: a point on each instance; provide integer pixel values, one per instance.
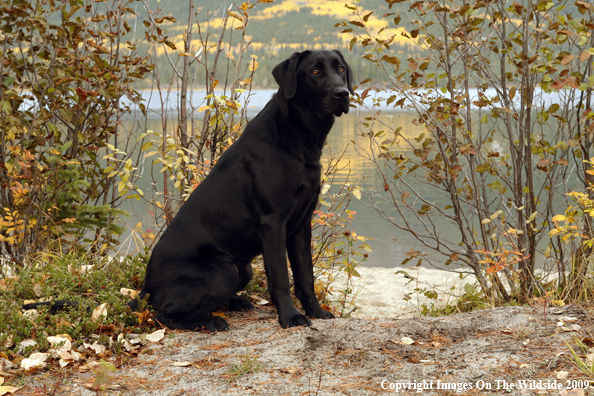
(259, 198)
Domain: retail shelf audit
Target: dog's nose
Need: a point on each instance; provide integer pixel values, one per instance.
(341, 93)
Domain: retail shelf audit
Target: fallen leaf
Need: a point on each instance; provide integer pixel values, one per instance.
(7, 342)
(6, 284)
(36, 360)
(575, 327)
(129, 292)
(30, 314)
(60, 343)
(182, 364)
(156, 336)
(561, 375)
(414, 359)
(68, 357)
(8, 389)
(95, 347)
(6, 364)
(143, 316)
(99, 312)
(89, 366)
(219, 314)
(259, 300)
(24, 344)
(407, 340)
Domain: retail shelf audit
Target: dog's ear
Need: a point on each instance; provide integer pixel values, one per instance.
(349, 73)
(285, 74)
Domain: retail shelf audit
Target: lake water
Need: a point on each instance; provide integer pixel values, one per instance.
(389, 244)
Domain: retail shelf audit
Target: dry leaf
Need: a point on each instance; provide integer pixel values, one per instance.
(156, 336)
(129, 292)
(61, 344)
(24, 344)
(182, 364)
(259, 300)
(36, 360)
(6, 364)
(7, 342)
(99, 312)
(561, 375)
(4, 390)
(407, 340)
(97, 348)
(219, 314)
(6, 284)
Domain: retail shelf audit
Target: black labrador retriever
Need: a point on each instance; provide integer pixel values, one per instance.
(258, 198)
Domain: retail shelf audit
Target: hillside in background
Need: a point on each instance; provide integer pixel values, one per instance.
(278, 29)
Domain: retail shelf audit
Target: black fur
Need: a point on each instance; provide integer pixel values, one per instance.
(259, 198)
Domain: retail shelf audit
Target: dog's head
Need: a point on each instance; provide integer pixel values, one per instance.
(321, 80)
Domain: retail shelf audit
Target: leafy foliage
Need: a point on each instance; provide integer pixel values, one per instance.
(64, 74)
(87, 281)
(498, 153)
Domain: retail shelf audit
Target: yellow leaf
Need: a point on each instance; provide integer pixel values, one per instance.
(204, 108)
(253, 65)
(219, 314)
(559, 218)
(236, 15)
(357, 193)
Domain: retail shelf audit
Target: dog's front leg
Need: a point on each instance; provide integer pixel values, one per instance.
(299, 249)
(273, 236)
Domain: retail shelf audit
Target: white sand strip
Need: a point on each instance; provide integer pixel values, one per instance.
(382, 292)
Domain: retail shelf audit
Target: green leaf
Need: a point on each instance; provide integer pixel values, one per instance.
(8, 81)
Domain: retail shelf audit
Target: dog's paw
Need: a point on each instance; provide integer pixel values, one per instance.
(321, 314)
(294, 321)
(213, 323)
(240, 304)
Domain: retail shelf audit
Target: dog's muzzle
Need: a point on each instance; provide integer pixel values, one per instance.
(341, 101)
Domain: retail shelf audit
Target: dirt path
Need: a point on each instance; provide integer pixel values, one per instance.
(457, 354)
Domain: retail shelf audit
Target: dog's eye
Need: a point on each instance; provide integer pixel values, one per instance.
(315, 72)
(341, 69)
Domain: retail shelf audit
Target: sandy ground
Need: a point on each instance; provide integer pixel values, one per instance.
(385, 350)
(453, 355)
(381, 292)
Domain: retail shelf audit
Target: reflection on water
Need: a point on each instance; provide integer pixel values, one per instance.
(390, 244)
(345, 136)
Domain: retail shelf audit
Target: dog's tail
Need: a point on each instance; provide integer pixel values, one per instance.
(54, 306)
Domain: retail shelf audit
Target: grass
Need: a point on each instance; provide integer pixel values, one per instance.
(585, 365)
(247, 364)
(89, 281)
